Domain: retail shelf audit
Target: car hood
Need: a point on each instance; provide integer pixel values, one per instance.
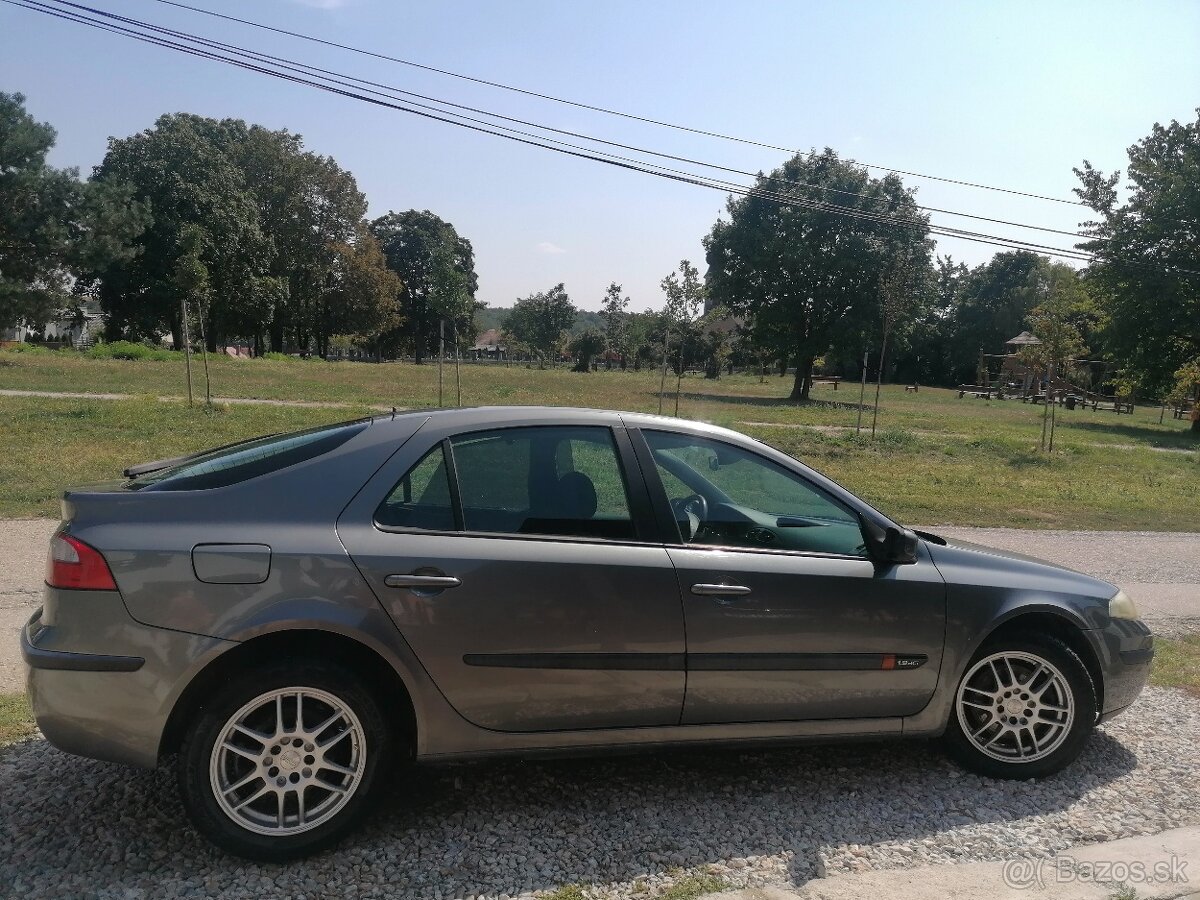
(966, 562)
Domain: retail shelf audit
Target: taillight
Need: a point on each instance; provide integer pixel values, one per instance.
(74, 565)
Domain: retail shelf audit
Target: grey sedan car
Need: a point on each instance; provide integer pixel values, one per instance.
(293, 618)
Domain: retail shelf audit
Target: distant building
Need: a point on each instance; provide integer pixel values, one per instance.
(78, 330)
(1024, 339)
(489, 346)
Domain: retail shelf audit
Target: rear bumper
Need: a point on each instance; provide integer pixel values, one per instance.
(101, 684)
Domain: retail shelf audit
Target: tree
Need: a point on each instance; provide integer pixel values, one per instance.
(308, 207)
(1187, 387)
(360, 301)
(716, 334)
(1146, 251)
(684, 300)
(1055, 323)
(539, 320)
(807, 268)
(424, 250)
(52, 225)
(138, 292)
(900, 294)
(643, 331)
(616, 325)
(584, 346)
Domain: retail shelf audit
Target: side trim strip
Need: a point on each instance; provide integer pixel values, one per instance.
(700, 662)
(627, 661)
(75, 662)
(800, 662)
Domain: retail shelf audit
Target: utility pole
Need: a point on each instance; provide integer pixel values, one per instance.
(187, 349)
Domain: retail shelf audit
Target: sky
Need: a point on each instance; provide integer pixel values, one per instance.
(1011, 94)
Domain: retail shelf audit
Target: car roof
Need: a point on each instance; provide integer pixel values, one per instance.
(511, 416)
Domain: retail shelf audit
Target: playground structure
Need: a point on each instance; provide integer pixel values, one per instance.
(1008, 375)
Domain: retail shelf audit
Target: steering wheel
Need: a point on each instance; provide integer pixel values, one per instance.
(691, 513)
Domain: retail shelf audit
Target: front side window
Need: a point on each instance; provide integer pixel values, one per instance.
(723, 495)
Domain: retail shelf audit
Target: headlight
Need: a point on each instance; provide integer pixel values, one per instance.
(1121, 607)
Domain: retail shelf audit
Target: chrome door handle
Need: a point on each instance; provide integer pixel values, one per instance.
(426, 582)
(720, 590)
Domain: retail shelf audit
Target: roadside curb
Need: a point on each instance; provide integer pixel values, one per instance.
(1163, 866)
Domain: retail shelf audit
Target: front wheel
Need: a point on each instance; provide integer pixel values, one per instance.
(283, 762)
(1024, 709)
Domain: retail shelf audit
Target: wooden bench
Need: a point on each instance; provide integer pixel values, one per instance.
(975, 390)
(911, 388)
(835, 380)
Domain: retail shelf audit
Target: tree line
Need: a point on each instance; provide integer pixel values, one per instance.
(256, 239)
(234, 226)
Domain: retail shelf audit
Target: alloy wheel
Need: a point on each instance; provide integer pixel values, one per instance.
(1015, 707)
(287, 761)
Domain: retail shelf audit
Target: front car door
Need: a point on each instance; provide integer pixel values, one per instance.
(787, 617)
(514, 561)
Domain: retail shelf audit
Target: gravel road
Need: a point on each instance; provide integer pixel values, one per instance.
(629, 826)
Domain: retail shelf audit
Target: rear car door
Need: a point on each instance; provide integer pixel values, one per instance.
(787, 618)
(515, 562)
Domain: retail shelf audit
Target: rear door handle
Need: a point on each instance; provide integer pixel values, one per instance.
(422, 582)
(720, 590)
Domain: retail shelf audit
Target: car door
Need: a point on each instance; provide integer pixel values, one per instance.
(514, 561)
(787, 618)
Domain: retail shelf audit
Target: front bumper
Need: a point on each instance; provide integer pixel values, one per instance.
(1126, 655)
(101, 684)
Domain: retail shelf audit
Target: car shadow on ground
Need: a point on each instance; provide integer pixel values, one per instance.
(1153, 437)
(509, 827)
(750, 400)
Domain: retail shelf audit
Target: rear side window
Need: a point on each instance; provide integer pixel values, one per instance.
(547, 480)
(539, 480)
(422, 498)
(229, 465)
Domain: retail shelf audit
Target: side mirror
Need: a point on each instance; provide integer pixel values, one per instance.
(890, 545)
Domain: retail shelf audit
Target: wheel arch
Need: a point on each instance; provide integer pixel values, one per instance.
(1056, 623)
(380, 675)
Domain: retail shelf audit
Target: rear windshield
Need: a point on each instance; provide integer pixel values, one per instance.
(229, 465)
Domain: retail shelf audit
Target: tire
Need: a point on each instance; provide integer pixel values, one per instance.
(234, 785)
(988, 734)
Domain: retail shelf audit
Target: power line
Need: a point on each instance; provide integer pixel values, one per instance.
(343, 79)
(591, 107)
(546, 144)
(316, 71)
(550, 144)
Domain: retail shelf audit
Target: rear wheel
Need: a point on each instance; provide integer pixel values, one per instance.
(283, 762)
(1024, 709)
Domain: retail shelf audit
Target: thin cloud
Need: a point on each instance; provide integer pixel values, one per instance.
(549, 248)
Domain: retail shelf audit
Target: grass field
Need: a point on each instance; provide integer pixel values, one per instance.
(937, 459)
(16, 718)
